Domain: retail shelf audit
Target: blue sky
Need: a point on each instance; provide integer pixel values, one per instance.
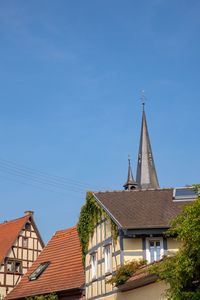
(71, 73)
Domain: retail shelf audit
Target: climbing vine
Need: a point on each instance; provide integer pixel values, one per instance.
(91, 213)
(124, 272)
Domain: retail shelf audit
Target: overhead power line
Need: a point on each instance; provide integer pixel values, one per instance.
(42, 187)
(42, 178)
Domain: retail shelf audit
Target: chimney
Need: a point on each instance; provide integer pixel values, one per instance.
(28, 212)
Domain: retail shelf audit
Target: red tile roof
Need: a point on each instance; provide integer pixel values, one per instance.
(9, 232)
(65, 271)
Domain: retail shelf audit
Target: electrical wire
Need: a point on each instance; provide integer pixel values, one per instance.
(42, 178)
(61, 194)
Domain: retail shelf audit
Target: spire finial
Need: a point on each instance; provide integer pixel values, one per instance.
(143, 98)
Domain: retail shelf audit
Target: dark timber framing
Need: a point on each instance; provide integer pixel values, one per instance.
(20, 253)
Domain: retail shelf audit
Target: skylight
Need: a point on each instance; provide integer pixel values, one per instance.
(184, 194)
(40, 269)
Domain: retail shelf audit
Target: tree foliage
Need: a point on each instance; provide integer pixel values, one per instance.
(182, 272)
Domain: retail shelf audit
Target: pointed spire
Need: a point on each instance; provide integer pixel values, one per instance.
(130, 183)
(146, 172)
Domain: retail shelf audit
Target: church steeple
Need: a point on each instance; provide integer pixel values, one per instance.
(146, 172)
(130, 183)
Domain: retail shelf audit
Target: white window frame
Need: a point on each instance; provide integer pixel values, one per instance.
(148, 254)
(107, 259)
(93, 258)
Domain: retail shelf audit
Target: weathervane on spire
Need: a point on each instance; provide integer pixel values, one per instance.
(143, 98)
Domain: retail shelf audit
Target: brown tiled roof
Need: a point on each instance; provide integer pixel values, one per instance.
(139, 209)
(65, 271)
(9, 232)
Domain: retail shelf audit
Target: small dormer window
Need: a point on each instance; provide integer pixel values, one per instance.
(40, 269)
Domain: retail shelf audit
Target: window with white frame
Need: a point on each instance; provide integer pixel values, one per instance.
(154, 249)
(94, 265)
(107, 256)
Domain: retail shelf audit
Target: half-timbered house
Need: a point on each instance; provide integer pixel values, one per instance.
(141, 214)
(20, 245)
(57, 270)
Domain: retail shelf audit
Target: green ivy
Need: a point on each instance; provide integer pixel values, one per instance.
(124, 272)
(52, 296)
(91, 213)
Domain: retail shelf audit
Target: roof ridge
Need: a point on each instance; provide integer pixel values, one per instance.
(65, 232)
(132, 191)
(14, 220)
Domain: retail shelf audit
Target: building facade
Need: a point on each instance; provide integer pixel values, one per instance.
(20, 245)
(141, 214)
(57, 270)
(141, 217)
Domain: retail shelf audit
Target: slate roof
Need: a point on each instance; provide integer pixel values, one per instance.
(138, 209)
(9, 232)
(65, 271)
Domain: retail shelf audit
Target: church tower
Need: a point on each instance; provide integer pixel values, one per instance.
(146, 176)
(130, 183)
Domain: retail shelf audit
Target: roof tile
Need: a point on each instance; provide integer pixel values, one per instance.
(9, 232)
(64, 272)
(139, 209)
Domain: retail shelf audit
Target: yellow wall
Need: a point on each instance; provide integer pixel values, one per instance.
(134, 244)
(154, 291)
(102, 232)
(132, 249)
(172, 246)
